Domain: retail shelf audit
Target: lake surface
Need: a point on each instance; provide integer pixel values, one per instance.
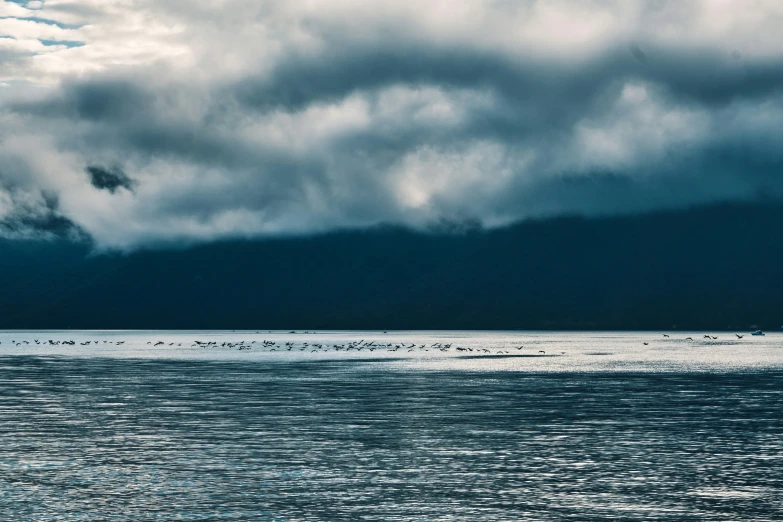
(347, 426)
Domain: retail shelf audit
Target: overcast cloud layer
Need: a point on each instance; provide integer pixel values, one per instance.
(142, 122)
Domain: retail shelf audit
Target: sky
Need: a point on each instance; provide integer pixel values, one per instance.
(138, 123)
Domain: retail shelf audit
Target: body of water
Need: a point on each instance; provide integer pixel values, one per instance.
(340, 426)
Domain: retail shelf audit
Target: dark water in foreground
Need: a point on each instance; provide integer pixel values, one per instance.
(147, 439)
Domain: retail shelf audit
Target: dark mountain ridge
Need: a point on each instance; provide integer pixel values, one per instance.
(716, 267)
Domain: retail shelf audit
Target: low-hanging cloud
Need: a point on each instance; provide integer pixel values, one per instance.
(173, 121)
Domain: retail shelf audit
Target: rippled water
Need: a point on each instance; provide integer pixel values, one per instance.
(610, 429)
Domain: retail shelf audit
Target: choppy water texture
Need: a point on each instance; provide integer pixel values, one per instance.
(598, 427)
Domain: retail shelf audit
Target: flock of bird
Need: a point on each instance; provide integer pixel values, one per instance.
(708, 337)
(356, 346)
(315, 347)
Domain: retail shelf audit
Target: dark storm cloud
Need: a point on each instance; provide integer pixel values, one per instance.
(298, 83)
(333, 119)
(99, 100)
(703, 76)
(109, 179)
